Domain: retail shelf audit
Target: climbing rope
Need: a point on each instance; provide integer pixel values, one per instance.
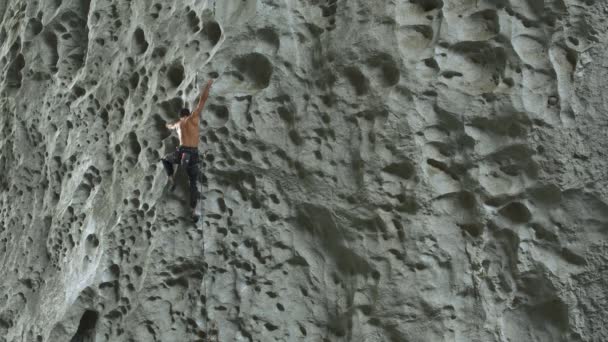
(209, 331)
(205, 265)
(212, 53)
(202, 227)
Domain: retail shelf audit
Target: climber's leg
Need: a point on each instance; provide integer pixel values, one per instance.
(193, 171)
(168, 161)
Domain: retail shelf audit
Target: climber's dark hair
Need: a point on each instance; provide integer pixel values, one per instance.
(184, 112)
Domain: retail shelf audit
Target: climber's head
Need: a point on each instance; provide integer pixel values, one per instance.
(184, 112)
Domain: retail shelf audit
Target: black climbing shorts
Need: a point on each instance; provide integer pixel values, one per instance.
(188, 158)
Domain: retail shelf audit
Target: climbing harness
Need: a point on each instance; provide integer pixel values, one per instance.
(185, 158)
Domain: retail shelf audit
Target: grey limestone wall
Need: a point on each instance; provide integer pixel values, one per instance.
(383, 170)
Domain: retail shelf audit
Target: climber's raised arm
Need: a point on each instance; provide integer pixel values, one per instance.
(173, 125)
(201, 102)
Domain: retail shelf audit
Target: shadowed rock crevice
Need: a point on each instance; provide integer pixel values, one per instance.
(212, 32)
(358, 81)
(176, 75)
(49, 50)
(14, 76)
(86, 327)
(256, 68)
(140, 45)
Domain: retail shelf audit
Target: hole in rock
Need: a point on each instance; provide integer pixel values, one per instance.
(256, 67)
(86, 328)
(212, 31)
(357, 80)
(140, 45)
(176, 74)
(516, 212)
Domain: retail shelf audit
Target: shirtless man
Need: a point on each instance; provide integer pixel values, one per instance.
(187, 151)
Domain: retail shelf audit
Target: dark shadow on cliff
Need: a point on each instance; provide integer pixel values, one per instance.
(86, 328)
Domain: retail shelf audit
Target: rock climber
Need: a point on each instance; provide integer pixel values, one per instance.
(186, 153)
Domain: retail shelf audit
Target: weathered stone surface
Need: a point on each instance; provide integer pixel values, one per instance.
(420, 170)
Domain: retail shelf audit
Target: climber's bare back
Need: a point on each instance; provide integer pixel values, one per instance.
(187, 130)
(187, 126)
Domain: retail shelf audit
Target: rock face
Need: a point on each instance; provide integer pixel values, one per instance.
(419, 170)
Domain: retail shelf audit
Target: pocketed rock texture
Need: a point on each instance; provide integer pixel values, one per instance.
(419, 170)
